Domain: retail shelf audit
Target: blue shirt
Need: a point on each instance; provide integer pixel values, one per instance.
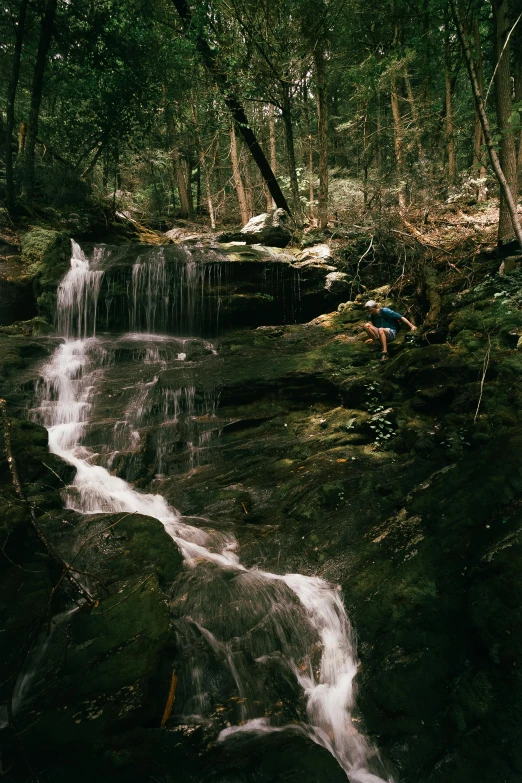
(386, 319)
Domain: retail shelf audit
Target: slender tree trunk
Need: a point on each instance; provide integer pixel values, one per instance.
(503, 104)
(238, 182)
(488, 136)
(22, 136)
(414, 114)
(273, 155)
(378, 131)
(105, 171)
(271, 122)
(450, 136)
(322, 135)
(10, 109)
(290, 149)
(198, 189)
(399, 142)
(177, 168)
(249, 189)
(46, 31)
(203, 164)
(186, 167)
(211, 60)
(309, 160)
(365, 156)
(478, 135)
(86, 173)
(518, 91)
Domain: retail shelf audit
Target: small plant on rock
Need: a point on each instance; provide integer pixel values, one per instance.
(379, 419)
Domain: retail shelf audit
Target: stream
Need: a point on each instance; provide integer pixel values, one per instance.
(252, 631)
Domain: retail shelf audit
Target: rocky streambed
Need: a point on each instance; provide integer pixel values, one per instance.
(291, 440)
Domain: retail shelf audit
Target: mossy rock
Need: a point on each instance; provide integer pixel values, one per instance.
(46, 254)
(114, 547)
(109, 667)
(107, 673)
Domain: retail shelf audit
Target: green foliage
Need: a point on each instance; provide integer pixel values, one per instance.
(380, 423)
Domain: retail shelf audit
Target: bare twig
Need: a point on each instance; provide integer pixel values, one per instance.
(356, 276)
(508, 36)
(484, 371)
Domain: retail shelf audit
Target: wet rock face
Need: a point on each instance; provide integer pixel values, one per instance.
(202, 291)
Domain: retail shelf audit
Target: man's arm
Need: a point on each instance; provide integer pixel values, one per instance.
(412, 326)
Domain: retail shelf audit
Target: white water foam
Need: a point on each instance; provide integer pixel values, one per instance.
(65, 399)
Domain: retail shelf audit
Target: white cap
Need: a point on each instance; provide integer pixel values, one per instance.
(371, 303)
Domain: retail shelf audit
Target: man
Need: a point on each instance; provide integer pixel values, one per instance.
(383, 326)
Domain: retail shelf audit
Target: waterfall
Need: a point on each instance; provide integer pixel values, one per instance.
(78, 297)
(174, 298)
(247, 621)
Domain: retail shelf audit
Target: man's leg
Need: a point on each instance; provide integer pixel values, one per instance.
(382, 335)
(372, 331)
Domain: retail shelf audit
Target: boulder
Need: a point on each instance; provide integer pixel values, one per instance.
(268, 229)
(337, 283)
(45, 255)
(319, 253)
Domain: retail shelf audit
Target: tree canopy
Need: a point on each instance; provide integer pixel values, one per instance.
(220, 109)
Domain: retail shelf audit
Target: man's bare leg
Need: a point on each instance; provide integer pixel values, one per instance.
(382, 335)
(373, 332)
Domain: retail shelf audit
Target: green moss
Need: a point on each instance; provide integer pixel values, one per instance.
(46, 254)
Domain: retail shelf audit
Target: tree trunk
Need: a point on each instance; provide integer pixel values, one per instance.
(378, 133)
(86, 173)
(177, 168)
(212, 62)
(249, 188)
(186, 168)
(22, 136)
(478, 135)
(203, 165)
(518, 91)
(273, 156)
(365, 157)
(10, 109)
(450, 136)
(503, 104)
(46, 31)
(271, 122)
(488, 136)
(322, 135)
(238, 182)
(290, 149)
(399, 142)
(309, 161)
(414, 114)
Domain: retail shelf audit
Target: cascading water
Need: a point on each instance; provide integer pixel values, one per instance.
(260, 629)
